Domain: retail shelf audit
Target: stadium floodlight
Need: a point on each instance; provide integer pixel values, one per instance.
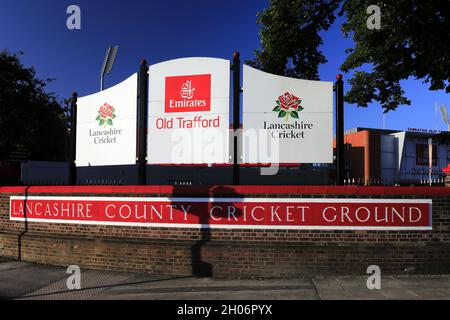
(445, 116)
(108, 63)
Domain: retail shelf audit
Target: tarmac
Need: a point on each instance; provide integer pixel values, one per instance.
(28, 281)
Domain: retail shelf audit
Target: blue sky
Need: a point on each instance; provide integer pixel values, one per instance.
(164, 30)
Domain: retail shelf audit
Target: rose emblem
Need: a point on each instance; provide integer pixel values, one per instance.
(288, 105)
(106, 115)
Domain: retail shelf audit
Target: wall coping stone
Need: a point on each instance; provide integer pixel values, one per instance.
(186, 191)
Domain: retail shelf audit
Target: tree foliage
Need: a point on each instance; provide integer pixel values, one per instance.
(290, 39)
(413, 42)
(29, 117)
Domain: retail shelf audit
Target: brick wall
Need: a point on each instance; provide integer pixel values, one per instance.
(231, 253)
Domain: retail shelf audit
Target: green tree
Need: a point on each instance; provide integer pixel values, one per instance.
(29, 117)
(413, 41)
(290, 37)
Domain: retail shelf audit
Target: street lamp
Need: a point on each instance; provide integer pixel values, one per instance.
(108, 63)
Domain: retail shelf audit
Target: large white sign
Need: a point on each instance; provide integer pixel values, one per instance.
(189, 102)
(286, 120)
(106, 126)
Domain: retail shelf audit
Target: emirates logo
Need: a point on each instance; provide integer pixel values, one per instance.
(187, 91)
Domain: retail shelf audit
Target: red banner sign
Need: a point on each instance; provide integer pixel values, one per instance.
(227, 213)
(188, 93)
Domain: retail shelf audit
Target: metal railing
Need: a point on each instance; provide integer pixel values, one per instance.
(437, 182)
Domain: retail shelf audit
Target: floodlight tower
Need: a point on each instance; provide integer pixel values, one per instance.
(445, 116)
(108, 63)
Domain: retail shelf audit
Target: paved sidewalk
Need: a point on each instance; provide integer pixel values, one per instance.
(20, 280)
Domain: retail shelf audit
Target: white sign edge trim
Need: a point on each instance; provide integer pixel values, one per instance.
(194, 59)
(226, 200)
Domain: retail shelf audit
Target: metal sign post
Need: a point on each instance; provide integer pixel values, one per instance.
(236, 67)
(340, 161)
(73, 140)
(142, 122)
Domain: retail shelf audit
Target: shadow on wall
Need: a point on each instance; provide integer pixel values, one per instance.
(200, 267)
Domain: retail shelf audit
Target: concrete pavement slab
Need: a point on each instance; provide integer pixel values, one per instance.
(8, 265)
(432, 281)
(431, 294)
(16, 282)
(398, 294)
(333, 294)
(344, 288)
(365, 294)
(214, 295)
(330, 283)
(142, 285)
(93, 282)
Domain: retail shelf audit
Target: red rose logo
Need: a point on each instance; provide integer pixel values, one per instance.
(106, 115)
(106, 111)
(288, 101)
(288, 105)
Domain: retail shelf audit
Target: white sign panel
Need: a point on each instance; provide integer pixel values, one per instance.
(106, 126)
(286, 120)
(189, 103)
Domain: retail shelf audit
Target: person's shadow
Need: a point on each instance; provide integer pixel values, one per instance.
(201, 268)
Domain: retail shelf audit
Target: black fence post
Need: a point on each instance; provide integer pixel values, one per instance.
(340, 156)
(73, 140)
(236, 67)
(142, 123)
